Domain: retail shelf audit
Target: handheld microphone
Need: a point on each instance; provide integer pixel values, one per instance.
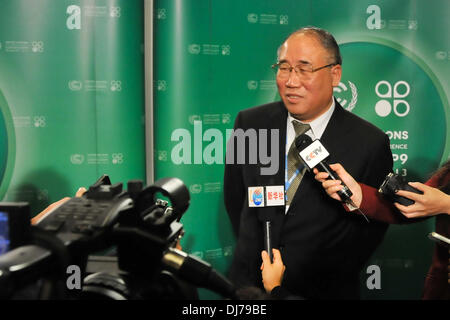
(314, 155)
(266, 217)
(268, 239)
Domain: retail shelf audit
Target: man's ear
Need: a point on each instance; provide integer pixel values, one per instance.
(336, 73)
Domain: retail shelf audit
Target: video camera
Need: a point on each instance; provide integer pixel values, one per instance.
(393, 183)
(137, 232)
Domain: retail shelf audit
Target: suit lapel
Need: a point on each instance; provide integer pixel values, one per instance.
(336, 126)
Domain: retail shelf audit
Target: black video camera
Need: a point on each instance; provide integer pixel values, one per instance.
(139, 234)
(393, 183)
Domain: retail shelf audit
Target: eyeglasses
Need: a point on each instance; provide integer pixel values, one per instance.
(304, 70)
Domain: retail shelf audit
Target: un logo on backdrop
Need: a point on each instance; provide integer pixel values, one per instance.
(347, 96)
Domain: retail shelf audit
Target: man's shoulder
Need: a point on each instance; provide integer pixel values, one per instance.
(265, 114)
(264, 109)
(356, 123)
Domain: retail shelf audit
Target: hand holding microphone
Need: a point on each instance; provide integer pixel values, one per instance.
(314, 156)
(272, 272)
(333, 186)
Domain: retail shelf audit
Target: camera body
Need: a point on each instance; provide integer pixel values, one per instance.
(136, 228)
(393, 183)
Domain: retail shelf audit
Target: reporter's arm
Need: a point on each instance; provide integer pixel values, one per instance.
(365, 197)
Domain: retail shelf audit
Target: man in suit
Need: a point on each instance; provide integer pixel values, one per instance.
(324, 247)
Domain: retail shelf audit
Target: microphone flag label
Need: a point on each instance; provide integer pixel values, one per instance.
(275, 196)
(314, 154)
(256, 197)
(266, 196)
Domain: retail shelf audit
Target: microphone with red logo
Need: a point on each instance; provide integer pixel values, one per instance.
(314, 154)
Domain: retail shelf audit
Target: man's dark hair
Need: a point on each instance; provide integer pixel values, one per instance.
(325, 38)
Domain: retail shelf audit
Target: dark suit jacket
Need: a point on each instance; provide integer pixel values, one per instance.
(323, 247)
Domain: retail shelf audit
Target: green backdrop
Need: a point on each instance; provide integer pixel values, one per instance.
(71, 96)
(213, 59)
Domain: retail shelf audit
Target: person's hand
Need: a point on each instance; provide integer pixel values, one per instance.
(272, 273)
(333, 186)
(433, 201)
(56, 204)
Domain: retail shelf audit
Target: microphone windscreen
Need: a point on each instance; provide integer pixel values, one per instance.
(302, 141)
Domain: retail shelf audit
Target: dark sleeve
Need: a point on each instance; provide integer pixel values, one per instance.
(281, 293)
(233, 184)
(376, 207)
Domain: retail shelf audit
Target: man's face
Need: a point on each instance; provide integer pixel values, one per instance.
(308, 95)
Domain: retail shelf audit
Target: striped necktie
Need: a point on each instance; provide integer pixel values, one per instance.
(294, 162)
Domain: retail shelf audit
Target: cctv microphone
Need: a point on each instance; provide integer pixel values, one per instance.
(313, 154)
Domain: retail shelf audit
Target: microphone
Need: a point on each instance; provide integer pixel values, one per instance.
(197, 272)
(266, 217)
(268, 239)
(314, 155)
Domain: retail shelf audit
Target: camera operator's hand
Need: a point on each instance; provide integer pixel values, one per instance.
(433, 201)
(333, 186)
(56, 204)
(272, 273)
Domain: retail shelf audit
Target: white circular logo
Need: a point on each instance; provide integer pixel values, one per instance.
(393, 98)
(161, 14)
(39, 121)
(116, 85)
(117, 158)
(284, 19)
(252, 85)
(252, 18)
(194, 48)
(195, 188)
(162, 155)
(161, 85)
(77, 158)
(37, 46)
(226, 118)
(114, 12)
(75, 85)
(226, 50)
